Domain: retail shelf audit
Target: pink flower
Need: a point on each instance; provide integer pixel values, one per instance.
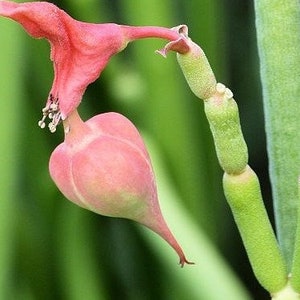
(103, 166)
(79, 50)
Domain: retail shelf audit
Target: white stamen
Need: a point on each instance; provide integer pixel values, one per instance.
(52, 127)
(51, 110)
(41, 124)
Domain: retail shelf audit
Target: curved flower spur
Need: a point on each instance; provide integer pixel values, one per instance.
(103, 164)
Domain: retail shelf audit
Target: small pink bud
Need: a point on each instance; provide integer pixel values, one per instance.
(103, 166)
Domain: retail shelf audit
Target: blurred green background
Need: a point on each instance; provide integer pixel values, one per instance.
(51, 249)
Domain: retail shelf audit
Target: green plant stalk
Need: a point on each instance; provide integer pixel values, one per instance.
(241, 185)
(244, 197)
(278, 38)
(222, 113)
(242, 191)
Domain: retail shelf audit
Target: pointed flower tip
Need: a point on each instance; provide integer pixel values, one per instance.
(184, 261)
(161, 228)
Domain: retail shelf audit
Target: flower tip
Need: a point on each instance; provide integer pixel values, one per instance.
(184, 261)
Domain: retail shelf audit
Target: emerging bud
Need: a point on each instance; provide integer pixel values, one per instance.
(103, 166)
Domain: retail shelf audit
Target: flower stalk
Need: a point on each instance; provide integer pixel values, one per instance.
(222, 113)
(243, 194)
(240, 183)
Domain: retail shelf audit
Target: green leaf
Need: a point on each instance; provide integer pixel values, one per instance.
(278, 37)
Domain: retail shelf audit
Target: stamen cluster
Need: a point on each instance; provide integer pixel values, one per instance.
(51, 110)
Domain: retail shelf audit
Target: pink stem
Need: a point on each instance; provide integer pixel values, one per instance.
(141, 32)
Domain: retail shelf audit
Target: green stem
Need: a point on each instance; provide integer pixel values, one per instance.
(242, 191)
(244, 197)
(278, 37)
(241, 185)
(222, 113)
